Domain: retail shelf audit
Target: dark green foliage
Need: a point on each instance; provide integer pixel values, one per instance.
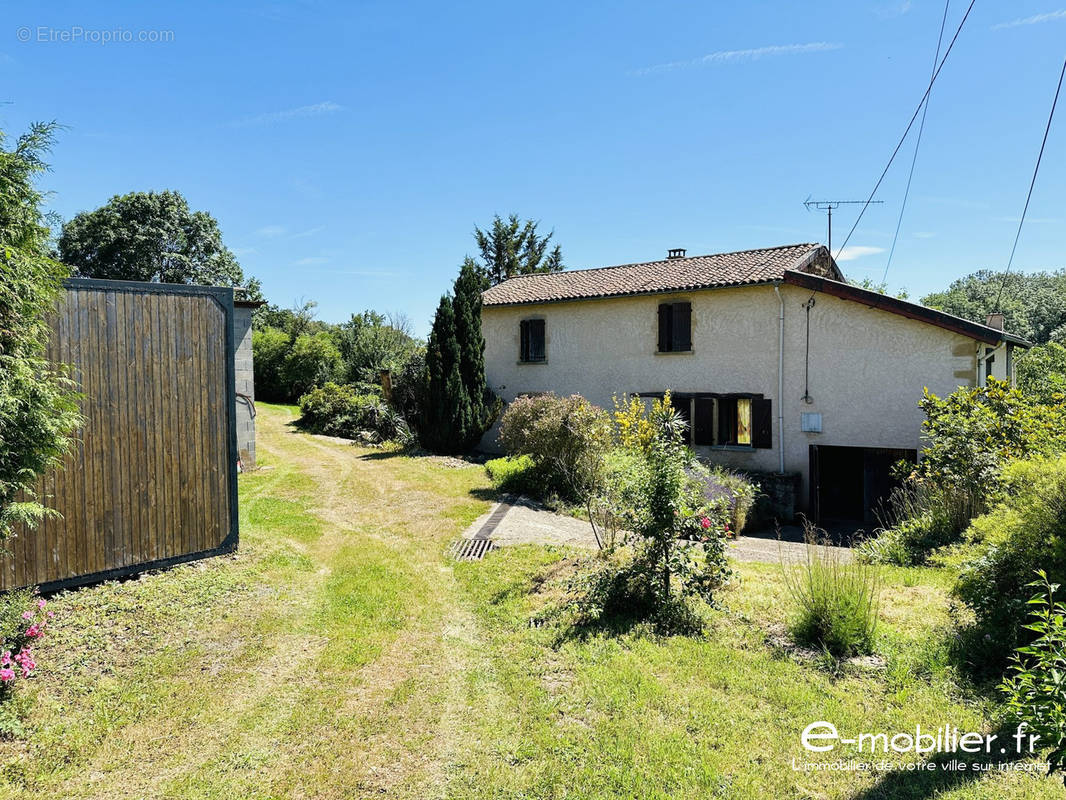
(342, 411)
(1025, 532)
(446, 418)
(1033, 304)
(972, 435)
(287, 367)
(1035, 690)
(38, 413)
(512, 248)
(151, 236)
(1041, 373)
(459, 407)
(371, 343)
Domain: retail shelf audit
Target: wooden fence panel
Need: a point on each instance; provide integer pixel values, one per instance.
(151, 480)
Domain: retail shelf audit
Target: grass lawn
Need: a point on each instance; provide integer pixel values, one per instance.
(340, 654)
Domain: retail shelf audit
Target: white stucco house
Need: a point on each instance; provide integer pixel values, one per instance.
(779, 364)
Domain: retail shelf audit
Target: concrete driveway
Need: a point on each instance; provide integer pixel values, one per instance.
(518, 521)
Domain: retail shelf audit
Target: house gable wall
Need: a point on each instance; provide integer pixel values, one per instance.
(867, 367)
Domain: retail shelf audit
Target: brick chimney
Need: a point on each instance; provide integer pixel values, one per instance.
(677, 252)
(995, 320)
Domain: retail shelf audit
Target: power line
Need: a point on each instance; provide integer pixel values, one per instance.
(1032, 183)
(910, 124)
(917, 144)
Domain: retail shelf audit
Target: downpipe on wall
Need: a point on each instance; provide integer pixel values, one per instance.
(780, 377)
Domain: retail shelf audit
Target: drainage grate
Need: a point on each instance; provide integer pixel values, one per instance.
(470, 549)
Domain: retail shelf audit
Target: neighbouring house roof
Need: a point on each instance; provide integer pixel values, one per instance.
(884, 302)
(668, 275)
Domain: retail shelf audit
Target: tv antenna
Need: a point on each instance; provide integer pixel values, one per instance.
(829, 205)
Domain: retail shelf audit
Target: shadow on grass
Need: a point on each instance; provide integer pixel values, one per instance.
(972, 767)
(483, 493)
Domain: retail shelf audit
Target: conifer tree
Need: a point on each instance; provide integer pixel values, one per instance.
(459, 406)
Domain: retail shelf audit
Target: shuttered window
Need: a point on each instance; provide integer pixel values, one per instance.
(675, 327)
(532, 340)
(733, 420)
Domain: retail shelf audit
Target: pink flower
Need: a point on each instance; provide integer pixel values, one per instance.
(705, 523)
(51, 614)
(5, 659)
(41, 603)
(33, 631)
(7, 674)
(27, 615)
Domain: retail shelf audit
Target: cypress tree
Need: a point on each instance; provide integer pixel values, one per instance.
(467, 303)
(447, 417)
(459, 406)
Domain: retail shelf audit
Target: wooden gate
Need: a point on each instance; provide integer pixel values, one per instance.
(152, 478)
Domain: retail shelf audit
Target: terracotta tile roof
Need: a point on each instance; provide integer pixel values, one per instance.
(668, 275)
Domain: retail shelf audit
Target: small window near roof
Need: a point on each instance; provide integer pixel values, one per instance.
(532, 340)
(675, 327)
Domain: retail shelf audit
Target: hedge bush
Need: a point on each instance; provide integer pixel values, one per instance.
(1025, 532)
(339, 410)
(567, 438)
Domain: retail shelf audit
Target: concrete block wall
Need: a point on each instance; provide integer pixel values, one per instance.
(245, 383)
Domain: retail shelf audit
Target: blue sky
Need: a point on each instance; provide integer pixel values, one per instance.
(348, 149)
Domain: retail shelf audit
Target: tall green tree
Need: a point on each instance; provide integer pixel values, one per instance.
(1042, 373)
(460, 407)
(510, 247)
(38, 412)
(447, 417)
(1033, 304)
(151, 236)
(371, 342)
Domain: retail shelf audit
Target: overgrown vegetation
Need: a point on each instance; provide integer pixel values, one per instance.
(38, 412)
(341, 411)
(567, 439)
(971, 435)
(835, 599)
(1026, 531)
(1035, 689)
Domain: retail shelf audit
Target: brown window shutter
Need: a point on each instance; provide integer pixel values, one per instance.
(664, 327)
(703, 423)
(536, 340)
(524, 336)
(682, 327)
(762, 423)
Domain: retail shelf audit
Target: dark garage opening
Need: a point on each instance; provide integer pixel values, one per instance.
(852, 483)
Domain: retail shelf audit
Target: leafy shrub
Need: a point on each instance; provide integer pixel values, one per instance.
(973, 432)
(517, 474)
(341, 411)
(567, 438)
(614, 503)
(731, 489)
(1025, 532)
(23, 621)
(1041, 373)
(1035, 691)
(288, 367)
(836, 600)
